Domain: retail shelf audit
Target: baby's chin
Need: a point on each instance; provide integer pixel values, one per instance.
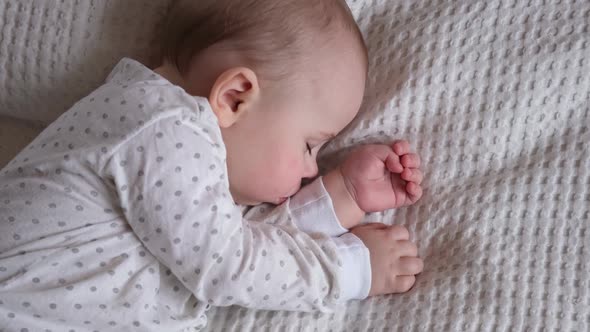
(252, 202)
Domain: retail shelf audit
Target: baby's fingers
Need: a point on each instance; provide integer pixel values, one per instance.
(414, 191)
(412, 175)
(410, 160)
(393, 163)
(410, 266)
(401, 147)
(403, 284)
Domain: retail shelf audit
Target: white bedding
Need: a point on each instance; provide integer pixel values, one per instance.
(495, 96)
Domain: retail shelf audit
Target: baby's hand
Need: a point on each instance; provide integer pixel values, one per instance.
(380, 177)
(394, 261)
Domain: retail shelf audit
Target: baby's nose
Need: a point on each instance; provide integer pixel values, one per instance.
(311, 170)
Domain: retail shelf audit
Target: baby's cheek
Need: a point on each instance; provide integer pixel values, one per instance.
(288, 171)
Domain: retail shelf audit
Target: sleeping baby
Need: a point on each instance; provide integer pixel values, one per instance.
(127, 212)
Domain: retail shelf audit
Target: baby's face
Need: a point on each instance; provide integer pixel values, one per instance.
(272, 149)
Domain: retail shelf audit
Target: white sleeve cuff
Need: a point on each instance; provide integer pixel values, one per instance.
(356, 267)
(312, 210)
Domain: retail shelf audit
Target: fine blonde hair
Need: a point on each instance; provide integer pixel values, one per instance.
(270, 34)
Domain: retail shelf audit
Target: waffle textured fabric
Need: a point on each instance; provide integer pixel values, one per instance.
(495, 97)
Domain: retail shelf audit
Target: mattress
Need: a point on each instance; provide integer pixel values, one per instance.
(495, 97)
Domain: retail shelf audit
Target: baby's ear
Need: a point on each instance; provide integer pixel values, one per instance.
(233, 94)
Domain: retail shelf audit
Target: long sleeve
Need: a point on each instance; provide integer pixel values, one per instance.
(313, 212)
(172, 184)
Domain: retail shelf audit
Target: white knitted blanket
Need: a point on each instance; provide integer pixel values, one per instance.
(494, 95)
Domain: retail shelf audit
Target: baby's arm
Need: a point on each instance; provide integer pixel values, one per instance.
(171, 183)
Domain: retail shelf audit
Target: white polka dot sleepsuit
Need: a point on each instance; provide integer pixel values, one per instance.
(118, 217)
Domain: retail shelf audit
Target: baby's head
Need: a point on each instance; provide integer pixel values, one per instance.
(282, 77)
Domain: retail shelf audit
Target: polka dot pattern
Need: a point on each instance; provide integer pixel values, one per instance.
(124, 223)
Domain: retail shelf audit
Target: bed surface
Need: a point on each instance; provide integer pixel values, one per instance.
(494, 95)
